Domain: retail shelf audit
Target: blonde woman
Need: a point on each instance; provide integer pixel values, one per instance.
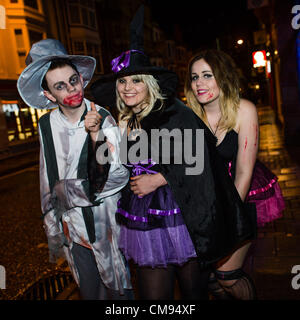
(153, 232)
(212, 91)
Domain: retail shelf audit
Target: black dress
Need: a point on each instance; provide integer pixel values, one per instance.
(264, 189)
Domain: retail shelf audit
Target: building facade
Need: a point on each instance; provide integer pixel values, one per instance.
(99, 28)
(25, 23)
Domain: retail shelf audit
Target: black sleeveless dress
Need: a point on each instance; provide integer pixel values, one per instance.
(264, 189)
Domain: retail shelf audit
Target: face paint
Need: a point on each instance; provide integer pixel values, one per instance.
(73, 100)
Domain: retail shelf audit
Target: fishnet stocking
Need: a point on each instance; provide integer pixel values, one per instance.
(232, 285)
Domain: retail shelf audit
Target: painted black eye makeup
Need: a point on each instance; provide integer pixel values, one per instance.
(73, 80)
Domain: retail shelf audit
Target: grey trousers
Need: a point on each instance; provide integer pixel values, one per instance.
(90, 284)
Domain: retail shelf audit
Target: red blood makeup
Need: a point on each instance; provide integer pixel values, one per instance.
(210, 95)
(73, 100)
(246, 142)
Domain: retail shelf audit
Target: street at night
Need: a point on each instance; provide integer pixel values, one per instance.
(262, 37)
(24, 251)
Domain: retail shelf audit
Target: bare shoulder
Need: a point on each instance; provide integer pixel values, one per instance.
(247, 109)
(247, 106)
(247, 113)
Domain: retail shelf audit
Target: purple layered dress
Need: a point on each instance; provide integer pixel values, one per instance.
(153, 232)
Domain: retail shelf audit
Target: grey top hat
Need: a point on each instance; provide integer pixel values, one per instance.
(38, 62)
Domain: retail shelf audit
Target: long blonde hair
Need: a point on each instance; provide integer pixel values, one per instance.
(225, 73)
(154, 94)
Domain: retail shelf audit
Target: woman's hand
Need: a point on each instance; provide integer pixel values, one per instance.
(92, 121)
(146, 183)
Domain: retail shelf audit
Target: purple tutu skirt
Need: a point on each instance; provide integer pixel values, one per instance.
(157, 247)
(265, 192)
(153, 232)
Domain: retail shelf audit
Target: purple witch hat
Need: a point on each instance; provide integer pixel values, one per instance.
(133, 61)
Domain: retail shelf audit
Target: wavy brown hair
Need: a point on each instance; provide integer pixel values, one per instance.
(227, 78)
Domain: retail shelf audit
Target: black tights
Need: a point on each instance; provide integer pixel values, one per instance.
(242, 289)
(159, 283)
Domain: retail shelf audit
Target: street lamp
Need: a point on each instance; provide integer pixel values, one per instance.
(240, 41)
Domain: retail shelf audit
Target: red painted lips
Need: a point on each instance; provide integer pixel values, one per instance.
(73, 100)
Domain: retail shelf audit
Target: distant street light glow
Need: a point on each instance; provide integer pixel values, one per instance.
(240, 41)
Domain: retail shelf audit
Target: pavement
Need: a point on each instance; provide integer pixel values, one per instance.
(273, 260)
(19, 155)
(276, 251)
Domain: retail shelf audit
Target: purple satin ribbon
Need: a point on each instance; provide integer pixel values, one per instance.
(138, 168)
(131, 216)
(157, 212)
(116, 65)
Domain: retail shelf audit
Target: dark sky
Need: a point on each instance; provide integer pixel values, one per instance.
(203, 21)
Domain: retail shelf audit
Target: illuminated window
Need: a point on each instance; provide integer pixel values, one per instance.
(259, 59)
(2, 17)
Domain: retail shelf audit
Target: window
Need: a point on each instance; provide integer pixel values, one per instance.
(74, 14)
(34, 36)
(92, 19)
(22, 63)
(19, 38)
(94, 51)
(13, 1)
(79, 47)
(83, 12)
(170, 50)
(2, 17)
(156, 35)
(31, 3)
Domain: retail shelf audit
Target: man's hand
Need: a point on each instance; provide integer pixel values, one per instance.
(92, 122)
(146, 183)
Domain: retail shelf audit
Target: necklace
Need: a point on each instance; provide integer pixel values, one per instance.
(214, 132)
